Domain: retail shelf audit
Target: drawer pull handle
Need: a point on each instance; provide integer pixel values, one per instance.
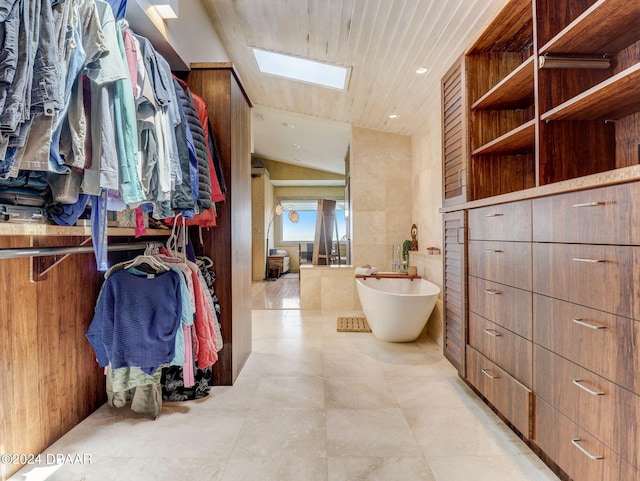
(585, 259)
(494, 215)
(578, 382)
(492, 332)
(586, 324)
(588, 204)
(459, 177)
(493, 292)
(486, 373)
(575, 442)
(493, 250)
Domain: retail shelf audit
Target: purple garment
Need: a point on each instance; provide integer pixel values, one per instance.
(136, 320)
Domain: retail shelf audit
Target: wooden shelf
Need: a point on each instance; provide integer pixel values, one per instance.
(514, 91)
(517, 141)
(590, 33)
(14, 229)
(614, 98)
(509, 31)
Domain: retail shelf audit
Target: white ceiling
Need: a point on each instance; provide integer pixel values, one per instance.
(383, 41)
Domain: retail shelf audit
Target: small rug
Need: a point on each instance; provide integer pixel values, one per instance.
(353, 324)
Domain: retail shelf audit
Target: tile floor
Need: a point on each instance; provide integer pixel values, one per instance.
(311, 404)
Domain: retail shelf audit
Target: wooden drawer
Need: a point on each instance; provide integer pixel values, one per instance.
(504, 262)
(512, 399)
(508, 306)
(604, 343)
(580, 216)
(584, 397)
(597, 276)
(506, 349)
(562, 440)
(509, 222)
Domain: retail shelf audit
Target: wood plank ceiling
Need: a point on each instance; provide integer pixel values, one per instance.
(383, 41)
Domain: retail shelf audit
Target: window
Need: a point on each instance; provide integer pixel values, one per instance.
(305, 229)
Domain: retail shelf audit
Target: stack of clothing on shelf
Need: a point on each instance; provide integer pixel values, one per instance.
(92, 120)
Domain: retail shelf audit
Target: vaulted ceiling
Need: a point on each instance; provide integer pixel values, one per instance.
(382, 41)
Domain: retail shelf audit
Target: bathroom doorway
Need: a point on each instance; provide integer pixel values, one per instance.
(283, 293)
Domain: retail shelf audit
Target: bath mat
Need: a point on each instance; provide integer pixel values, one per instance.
(353, 324)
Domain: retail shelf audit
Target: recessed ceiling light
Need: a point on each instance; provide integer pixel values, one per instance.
(295, 146)
(422, 70)
(393, 116)
(289, 126)
(302, 69)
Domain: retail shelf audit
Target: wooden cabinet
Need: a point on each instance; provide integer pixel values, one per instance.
(552, 118)
(501, 261)
(454, 136)
(598, 276)
(509, 222)
(505, 305)
(511, 398)
(508, 350)
(600, 341)
(552, 94)
(229, 244)
(454, 292)
(605, 215)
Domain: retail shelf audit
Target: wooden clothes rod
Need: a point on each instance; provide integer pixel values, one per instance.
(16, 252)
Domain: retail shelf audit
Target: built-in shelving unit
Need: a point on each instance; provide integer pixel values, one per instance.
(567, 122)
(514, 91)
(519, 140)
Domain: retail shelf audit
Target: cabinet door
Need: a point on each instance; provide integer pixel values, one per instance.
(508, 306)
(604, 343)
(454, 136)
(508, 350)
(511, 398)
(454, 293)
(506, 222)
(599, 276)
(504, 262)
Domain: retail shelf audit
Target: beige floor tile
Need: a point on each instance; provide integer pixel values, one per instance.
(282, 433)
(379, 469)
(311, 404)
(280, 469)
(490, 468)
(358, 392)
(369, 432)
(280, 392)
(456, 431)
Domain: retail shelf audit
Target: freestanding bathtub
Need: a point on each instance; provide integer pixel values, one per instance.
(397, 309)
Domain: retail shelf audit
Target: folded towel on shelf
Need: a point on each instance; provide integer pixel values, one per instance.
(366, 271)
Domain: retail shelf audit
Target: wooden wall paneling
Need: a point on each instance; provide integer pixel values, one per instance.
(229, 243)
(559, 85)
(553, 16)
(628, 141)
(71, 382)
(50, 378)
(486, 69)
(20, 422)
(564, 154)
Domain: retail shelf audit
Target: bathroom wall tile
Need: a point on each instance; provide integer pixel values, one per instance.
(282, 433)
(280, 469)
(379, 469)
(369, 432)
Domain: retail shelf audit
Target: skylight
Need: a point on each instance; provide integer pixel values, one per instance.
(296, 68)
